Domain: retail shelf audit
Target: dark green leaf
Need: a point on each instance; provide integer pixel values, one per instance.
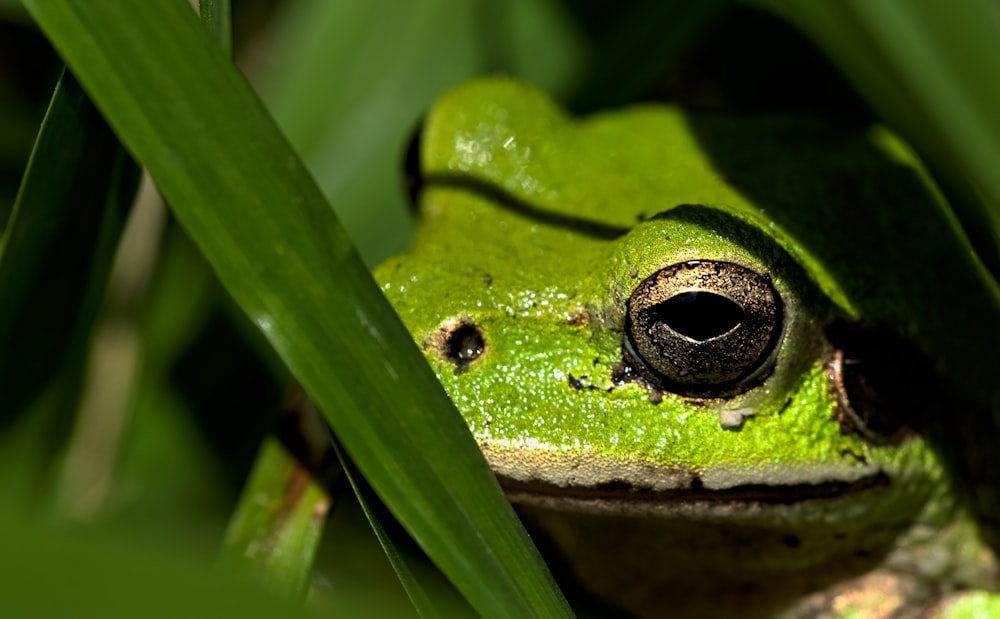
(277, 526)
(432, 595)
(237, 187)
(57, 250)
(217, 15)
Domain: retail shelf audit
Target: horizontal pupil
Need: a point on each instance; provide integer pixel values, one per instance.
(699, 315)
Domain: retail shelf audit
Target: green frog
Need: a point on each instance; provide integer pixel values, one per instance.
(720, 365)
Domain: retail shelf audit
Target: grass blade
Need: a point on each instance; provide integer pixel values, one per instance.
(277, 526)
(217, 15)
(235, 184)
(275, 531)
(56, 252)
(431, 594)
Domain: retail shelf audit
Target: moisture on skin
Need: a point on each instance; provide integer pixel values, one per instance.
(538, 228)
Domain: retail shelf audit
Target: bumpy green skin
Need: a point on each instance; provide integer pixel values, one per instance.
(537, 227)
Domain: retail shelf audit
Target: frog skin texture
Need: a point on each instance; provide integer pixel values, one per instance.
(722, 366)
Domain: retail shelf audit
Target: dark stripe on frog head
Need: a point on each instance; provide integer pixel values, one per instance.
(514, 204)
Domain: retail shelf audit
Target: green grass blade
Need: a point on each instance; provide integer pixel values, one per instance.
(249, 204)
(431, 594)
(930, 69)
(276, 529)
(56, 252)
(217, 15)
(274, 534)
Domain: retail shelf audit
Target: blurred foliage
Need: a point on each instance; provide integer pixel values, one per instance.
(347, 82)
(28, 72)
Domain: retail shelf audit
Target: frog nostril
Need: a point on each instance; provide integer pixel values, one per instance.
(700, 315)
(465, 344)
(459, 341)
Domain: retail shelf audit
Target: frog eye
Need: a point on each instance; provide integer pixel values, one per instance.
(703, 328)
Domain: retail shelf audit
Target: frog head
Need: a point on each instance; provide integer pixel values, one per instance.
(633, 331)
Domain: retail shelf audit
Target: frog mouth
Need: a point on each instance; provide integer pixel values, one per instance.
(622, 496)
(574, 483)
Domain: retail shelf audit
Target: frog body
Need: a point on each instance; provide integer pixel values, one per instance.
(698, 395)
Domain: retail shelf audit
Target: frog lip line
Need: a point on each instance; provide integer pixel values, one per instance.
(623, 497)
(577, 482)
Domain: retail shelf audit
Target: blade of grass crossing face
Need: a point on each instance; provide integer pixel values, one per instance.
(432, 595)
(246, 200)
(274, 533)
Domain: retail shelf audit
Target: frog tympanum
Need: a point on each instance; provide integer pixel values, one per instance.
(702, 354)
